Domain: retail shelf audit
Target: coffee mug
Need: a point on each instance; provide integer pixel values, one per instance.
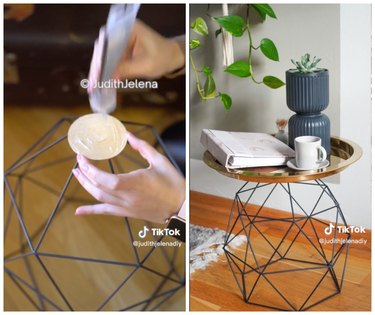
(309, 152)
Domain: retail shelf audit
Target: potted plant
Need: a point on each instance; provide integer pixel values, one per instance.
(307, 94)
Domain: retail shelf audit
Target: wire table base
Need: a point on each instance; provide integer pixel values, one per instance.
(304, 263)
(44, 258)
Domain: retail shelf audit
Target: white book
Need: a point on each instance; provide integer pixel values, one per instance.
(245, 149)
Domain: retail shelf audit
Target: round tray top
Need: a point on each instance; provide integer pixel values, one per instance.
(343, 153)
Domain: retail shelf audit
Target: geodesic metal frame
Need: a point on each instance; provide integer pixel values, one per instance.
(30, 248)
(252, 268)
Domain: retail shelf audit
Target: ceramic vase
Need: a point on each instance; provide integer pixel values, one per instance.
(307, 94)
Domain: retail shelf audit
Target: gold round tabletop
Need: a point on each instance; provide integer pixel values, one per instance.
(343, 154)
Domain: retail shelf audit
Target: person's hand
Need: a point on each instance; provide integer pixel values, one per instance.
(153, 194)
(149, 55)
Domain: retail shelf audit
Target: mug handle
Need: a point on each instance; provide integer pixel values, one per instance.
(322, 154)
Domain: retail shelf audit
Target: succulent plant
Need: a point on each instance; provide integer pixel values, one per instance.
(306, 65)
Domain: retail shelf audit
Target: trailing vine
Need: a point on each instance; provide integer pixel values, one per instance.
(237, 27)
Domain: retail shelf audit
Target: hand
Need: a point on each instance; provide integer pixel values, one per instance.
(153, 194)
(148, 55)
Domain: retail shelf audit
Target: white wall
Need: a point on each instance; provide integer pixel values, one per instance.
(341, 36)
(354, 190)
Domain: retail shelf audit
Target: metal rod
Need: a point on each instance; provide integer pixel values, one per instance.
(10, 208)
(9, 272)
(93, 260)
(161, 275)
(54, 282)
(117, 289)
(279, 293)
(34, 282)
(229, 232)
(43, 186)
(128, 308)
(32, 157)
(249, 243)
(18, 212)
(48, 133)
(57, 161)
(164, 300)
(127, 225)
(55, 209)
(313, 291)
(156, 291)
(344, 269)
(165, 150)
(23, 291)
(294, 270)
(320, 301)
(10, 259)
(234, 275)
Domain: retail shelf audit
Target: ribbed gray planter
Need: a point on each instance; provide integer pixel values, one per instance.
(310, 125)
(307, 94)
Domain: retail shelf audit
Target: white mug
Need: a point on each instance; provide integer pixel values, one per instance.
(309, 152)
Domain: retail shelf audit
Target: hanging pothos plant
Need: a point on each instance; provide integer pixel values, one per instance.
(237, 27)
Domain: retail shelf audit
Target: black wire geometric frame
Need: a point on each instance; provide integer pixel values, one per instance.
(303, 244)
(46, 256)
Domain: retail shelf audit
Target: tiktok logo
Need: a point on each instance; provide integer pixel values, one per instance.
(143, 233)
(328, 229)
(344, 229)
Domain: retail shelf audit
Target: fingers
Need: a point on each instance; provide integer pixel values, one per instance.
(133, 68)
(110, 181)
(149, 153)
(93, 190)
(102, 208)
(98, 177)
(128, 68)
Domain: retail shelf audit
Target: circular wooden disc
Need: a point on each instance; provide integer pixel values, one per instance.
(97, 136)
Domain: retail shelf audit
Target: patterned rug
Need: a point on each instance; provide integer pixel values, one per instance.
(206, 246)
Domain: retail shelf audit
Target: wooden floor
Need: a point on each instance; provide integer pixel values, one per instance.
(85, 285)
(214, 288)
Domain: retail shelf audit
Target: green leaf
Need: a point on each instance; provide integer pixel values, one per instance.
(269, 49)
(207, 70)
(209, 88)
(239, 68)
(194, 43)
(218, 32)
(199, 26)
(232, 24)
(227, 101)
(273, 82)
(264, 10)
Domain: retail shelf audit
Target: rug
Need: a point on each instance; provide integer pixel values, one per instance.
(206, 245)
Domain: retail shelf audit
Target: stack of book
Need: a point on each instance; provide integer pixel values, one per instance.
(245, 149)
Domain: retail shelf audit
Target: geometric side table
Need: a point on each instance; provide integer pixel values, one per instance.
(47, 256)
(310, 238)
